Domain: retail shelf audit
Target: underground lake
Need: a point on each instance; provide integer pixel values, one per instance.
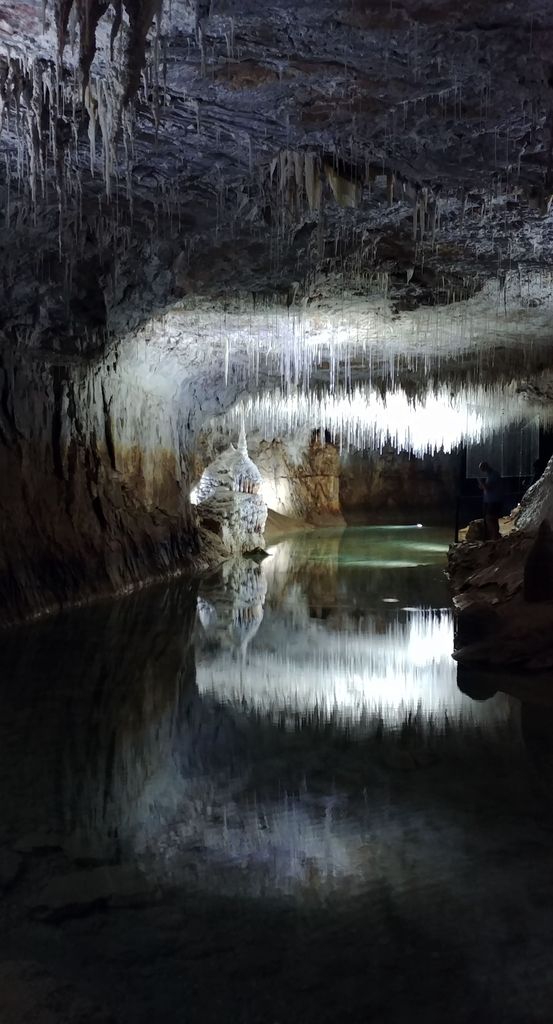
(262, 796)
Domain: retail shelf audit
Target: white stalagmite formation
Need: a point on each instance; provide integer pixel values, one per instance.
(228, 499)
(233, 470)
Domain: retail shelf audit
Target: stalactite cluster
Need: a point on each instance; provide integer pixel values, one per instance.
(140, 13)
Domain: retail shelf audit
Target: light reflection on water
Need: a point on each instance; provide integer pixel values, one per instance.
(305, 642)
(322, 628)
(304, 735)
(326, 829)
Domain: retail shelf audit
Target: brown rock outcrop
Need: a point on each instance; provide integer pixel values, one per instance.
(306, 488)
(392, 484)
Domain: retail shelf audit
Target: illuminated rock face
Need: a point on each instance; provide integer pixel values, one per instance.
(302, 484)
(237, 519)
(537, 503)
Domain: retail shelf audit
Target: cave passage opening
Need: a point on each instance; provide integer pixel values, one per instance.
(384, 451)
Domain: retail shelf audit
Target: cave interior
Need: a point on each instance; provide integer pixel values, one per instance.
(323, 230)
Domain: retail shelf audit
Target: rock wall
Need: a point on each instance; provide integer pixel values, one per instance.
(93, 481)
(304, 484)
(392, 485)
(502, 591)
(537, 503)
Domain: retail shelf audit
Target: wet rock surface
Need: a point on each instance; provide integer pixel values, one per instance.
(93, 493)
(502, 591)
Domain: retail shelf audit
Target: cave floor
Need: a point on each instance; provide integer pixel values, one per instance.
(264, 798)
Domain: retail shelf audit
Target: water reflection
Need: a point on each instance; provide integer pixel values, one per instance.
(357, 627)
(93, 705)
(292, 728)
(323, 807)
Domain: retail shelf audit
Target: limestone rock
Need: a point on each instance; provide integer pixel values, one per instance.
(228, 501)
(233, 470)
(476, 530)
(511, 574)
(302, 485)
(93, 497)
(475, 622)
(521, 639)
(393, 484)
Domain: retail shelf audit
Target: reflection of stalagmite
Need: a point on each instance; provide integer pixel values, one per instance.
(230, 606)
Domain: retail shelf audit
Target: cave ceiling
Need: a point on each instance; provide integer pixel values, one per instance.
(302, 154)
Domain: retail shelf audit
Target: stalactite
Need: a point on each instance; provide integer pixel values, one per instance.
(141, 14)
(89, 13)
(372, 417)
(313, 187)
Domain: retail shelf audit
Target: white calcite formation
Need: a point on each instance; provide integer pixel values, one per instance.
(233, 470)
(228, 500)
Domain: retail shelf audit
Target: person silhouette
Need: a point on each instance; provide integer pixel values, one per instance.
(490, 485)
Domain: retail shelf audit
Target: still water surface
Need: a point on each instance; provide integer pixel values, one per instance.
(301, 815)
